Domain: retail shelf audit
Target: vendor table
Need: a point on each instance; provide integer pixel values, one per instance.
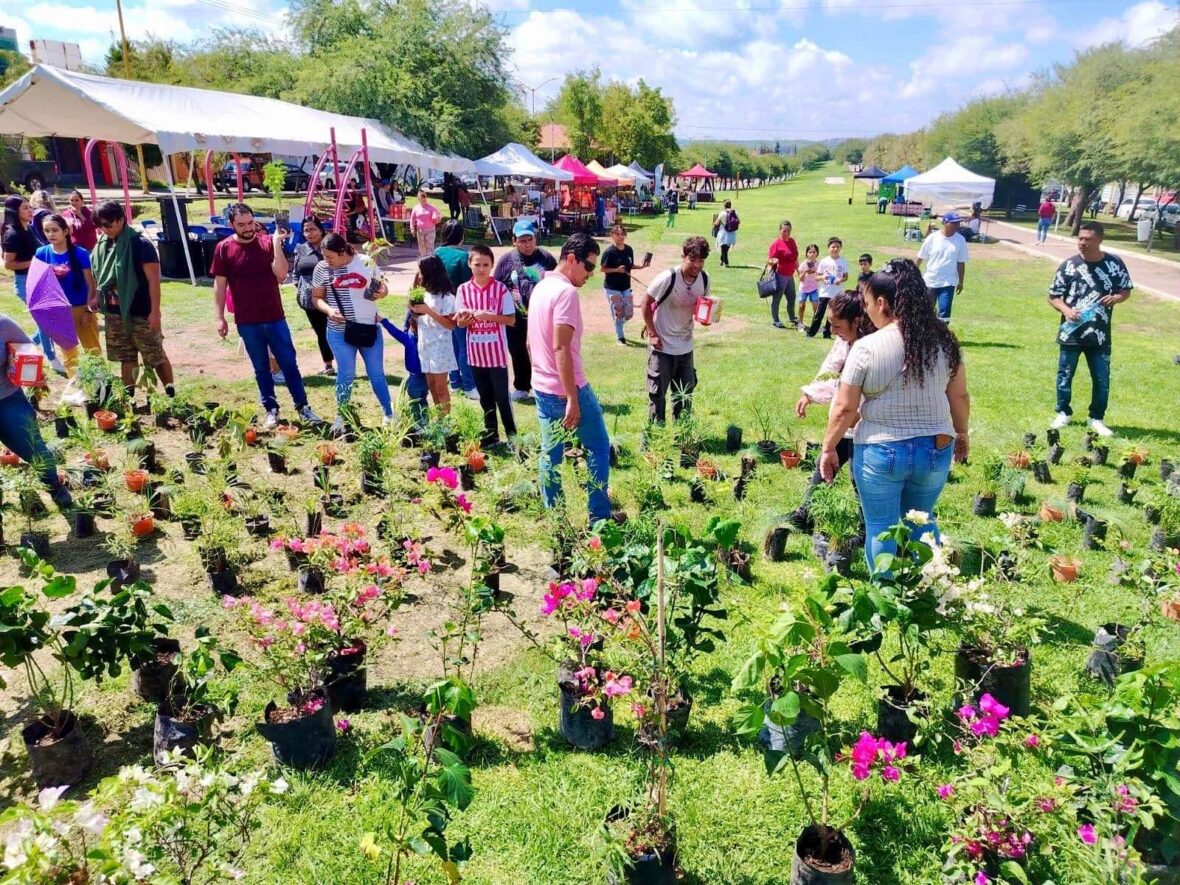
(905, 208)
(391, 228)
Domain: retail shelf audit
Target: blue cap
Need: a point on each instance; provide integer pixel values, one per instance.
(951, 218)
(524, 228)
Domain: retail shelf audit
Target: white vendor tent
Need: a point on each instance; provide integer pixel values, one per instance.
(949, 184)
(627, 174)
(516, 160)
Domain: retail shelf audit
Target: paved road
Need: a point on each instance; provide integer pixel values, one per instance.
(1157, 276)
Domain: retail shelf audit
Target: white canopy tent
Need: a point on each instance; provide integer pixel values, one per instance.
(626, 173)
(949, 184)
(516, 159)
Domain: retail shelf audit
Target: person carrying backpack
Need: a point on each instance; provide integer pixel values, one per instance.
(725, 228)
(668, 317)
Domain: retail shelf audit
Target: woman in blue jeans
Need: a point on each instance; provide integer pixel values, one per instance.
(914, 413)
(344, 288)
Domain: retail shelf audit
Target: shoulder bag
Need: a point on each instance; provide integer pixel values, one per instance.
(768, 282)
(362, 335)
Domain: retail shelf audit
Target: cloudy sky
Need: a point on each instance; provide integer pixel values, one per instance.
(741, 69)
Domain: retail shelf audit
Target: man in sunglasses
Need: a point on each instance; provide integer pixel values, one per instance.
(668, 315)
(566, 405)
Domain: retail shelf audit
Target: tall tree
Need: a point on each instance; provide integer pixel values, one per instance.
(579, 105)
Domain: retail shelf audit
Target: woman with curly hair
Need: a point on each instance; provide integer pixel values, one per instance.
(850, 323)
(908, 385)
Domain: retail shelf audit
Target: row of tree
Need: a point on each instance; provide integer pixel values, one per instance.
(1108, 116)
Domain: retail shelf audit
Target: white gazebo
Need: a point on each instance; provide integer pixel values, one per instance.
(516, 160)
(949, 184)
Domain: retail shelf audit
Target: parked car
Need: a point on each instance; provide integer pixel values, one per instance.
(32, 175)
(1146, 204)
(296, 178)
(1169, 216)
(225, 179)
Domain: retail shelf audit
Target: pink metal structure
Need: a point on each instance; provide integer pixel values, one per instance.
(345, 189)
(313, 184)
(209, 180)
(121, 160)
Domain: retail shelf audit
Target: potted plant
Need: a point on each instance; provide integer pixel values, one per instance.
(1049, 513)
(764, 420)
(836, 514)
(791, 454)
(372, 453)
(119, 543)
(789, 681)
(985, 499)
(1076, 490)
(23, 486)
(1128, 466)
(64, 421)
(733, 439)
(1019, 459)
(994, 639)
(1064, 568)
(192, 701)
(276, 454)
(222, 552)
(1127, 493)
(1101, 452)
(190, 505)
(97, 380)
(84, 513)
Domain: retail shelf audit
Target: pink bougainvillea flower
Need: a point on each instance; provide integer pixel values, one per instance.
(598, 713)
(611, 616)
(946, 791)
(957, 746)
(463, 503)
(981, 878)
(639, 710)
(633, 606)
(391, 631)
(595, 543)
(1087, 835)
(615, 687)
(1032, 741)
(891, 773)
(966, 713)
(228, 602)
(445, 475)
(974, 849)
(991, 707)
(343, 725)
(1125, 801)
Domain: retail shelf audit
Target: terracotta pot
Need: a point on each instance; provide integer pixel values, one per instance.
(97, 460)
(251, 436)
(1137, 458)
(106, 420)
(135, 480)
(288, 431)
(1065, 570)
(477, 461)
(327, 453)
(707, 469)
(790, 458)
(1051, 514)
(1020, 460)
(1170, 608)
(142, 526)
(9, 459)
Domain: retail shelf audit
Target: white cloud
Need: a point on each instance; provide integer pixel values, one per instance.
(964, 59)
(1138, 25)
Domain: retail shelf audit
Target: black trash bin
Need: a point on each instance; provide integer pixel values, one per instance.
(172, 263)
(208, 243)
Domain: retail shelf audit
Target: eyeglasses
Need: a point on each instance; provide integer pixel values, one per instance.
(589, 265)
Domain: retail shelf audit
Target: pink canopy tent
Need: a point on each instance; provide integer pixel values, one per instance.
(582, 175)
(698, 171)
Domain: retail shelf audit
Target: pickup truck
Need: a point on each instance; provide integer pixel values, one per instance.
(32, 175)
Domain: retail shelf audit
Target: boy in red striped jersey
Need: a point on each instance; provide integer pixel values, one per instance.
(484, 307)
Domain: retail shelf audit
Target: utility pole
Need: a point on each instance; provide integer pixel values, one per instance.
(143, 179)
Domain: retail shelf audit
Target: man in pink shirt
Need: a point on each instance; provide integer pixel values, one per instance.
(565, 402)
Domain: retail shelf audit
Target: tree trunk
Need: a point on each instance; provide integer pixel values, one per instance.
(1134, 208)
(1077, 210)
(1122, 193)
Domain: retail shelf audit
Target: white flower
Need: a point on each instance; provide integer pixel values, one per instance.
(89, 818)
(144, 799)
(48, 797)
(136, 863)
(1011, 520)
(134, 835)
(14, 847)
(278, 786)
(249, 782)
(917, 517)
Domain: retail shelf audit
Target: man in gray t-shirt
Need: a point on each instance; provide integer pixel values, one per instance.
(668, 317)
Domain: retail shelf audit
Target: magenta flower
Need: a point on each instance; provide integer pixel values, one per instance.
(598, 713)
(946, 791)
(595, 543)
(891, 773)
(991, 707)
(445, 475)
(1032, 741)
(391, 631)
(611, 616)
(615, 687)
(1087, 835)
(981, 878)
(463, 503)
(639, 710)
(1125, 802)
(344, 725)
(1046, 805)
(966, 713)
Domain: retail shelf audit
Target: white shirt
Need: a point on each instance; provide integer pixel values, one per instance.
(836, 268)
(942, 255)
(673, 316)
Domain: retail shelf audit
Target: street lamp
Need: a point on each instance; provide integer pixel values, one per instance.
(533, 91)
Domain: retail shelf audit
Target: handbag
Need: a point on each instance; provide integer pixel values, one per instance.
(360, 335)
(768, 282)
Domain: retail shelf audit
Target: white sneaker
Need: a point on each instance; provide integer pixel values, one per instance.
(1059, 421)
(271, 421)
(57, 366)
(518, 396)
(278, 377)
(310, 416)
(387, 421)
(1100, 428)
(73, 398)
(471, 394)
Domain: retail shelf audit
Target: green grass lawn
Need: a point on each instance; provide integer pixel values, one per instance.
(537, 808)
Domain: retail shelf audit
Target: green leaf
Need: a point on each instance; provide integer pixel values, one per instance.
(855, 665)
(1014, 871)
(749, 719)
(785, 710)
(454, 779)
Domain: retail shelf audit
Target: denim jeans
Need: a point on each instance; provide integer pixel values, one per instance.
(1043, 229)
(943, 297)
(42, 341)
(894, 478)
(417, 391)
(624, 298)
(461, 378)
(1067, 365)
(263, 339)
(590, 433)
(374, 358)
(19, 432)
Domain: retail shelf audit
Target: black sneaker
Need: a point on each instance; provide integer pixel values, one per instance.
(778, 325)
(62, 498)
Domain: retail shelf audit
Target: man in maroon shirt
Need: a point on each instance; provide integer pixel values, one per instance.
(1046, 212)
(253, 264)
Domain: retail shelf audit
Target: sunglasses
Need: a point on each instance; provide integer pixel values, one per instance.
(589, 265)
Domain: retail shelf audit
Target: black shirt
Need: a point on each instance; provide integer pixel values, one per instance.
(142, 253)
(623, 258)
(22, 242)
(520, 274)
(1082, 285)
(307, 257)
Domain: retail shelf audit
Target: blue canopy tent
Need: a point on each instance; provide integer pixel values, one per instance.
(900, 175)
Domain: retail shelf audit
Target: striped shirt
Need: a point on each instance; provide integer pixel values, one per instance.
(347, 289)
(487, 343)
(895, 408)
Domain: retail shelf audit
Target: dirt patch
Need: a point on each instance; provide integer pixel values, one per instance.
(512, 726)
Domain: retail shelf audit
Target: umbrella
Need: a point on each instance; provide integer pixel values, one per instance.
(49, 306)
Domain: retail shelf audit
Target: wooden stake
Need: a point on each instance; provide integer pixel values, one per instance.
(661, 679)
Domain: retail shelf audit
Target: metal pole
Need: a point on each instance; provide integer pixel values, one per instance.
(143, 179)
(188, 256)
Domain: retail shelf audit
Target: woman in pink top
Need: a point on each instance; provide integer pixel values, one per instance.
(424, 218)
(83, 231)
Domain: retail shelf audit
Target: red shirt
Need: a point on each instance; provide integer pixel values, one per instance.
(787, 254)
(1046, 210)
(246, 266)
(82, 228)
(487, 343)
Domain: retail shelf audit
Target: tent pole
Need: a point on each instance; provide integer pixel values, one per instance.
(188, 256)
(488, 206)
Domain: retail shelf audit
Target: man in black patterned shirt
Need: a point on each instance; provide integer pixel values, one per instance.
(1084, 291)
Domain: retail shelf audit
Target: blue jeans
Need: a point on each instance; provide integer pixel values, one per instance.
(1067, 365)
(943, 297)
(590, 433)
(263, 339)
(42, 341)
(1043, 225)
(894, 478)
(374, 358)
(417, 391)
(624, 297)
(461, 378)
(18, 431)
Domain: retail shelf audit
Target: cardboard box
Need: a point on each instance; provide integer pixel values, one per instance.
(26, 365)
